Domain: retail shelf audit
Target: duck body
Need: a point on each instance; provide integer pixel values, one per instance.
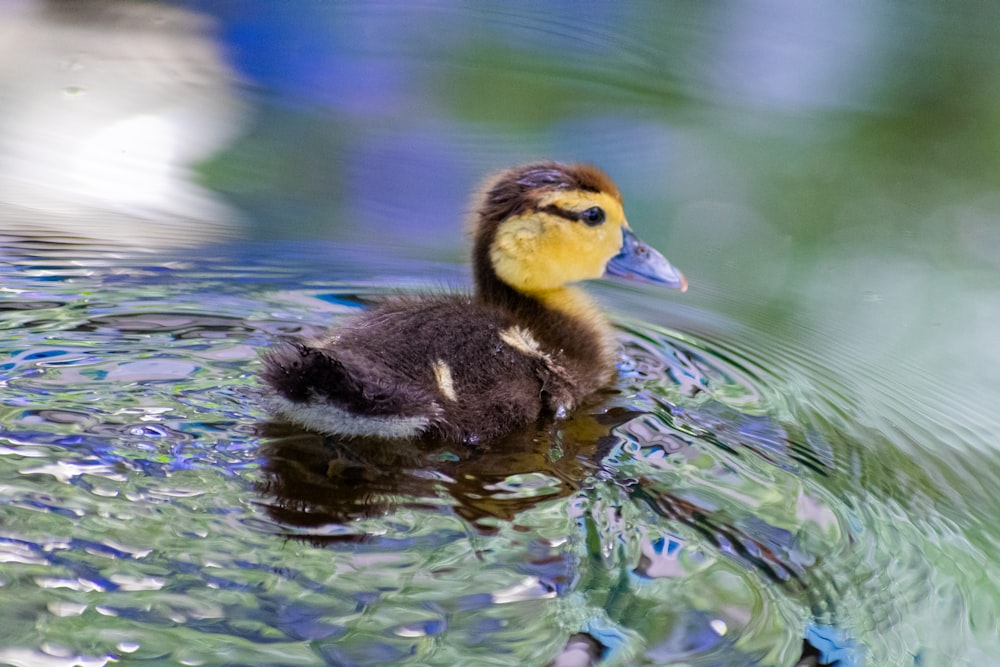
(447, 367)
(526, 345)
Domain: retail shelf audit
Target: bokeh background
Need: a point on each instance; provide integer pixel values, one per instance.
(826, 172)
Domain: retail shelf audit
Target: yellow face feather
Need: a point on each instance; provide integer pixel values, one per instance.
(540, 251)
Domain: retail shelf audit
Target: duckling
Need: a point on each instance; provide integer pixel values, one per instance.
(528, 343)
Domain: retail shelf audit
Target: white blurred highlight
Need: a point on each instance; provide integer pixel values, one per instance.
(104, 107)
(129, 161)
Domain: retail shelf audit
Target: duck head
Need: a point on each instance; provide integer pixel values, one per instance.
(544, 226)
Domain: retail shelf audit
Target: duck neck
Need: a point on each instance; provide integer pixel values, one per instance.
(566, 319)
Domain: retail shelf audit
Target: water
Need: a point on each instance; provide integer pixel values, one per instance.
(800, 454)
(699, 512)
(150, 512)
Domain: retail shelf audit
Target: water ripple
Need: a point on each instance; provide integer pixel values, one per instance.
(853, 457)
(729, 497)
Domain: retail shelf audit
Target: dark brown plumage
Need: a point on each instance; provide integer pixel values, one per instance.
(468, 368)
(389, 375)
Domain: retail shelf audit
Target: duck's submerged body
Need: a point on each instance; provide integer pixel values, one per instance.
(469, 368)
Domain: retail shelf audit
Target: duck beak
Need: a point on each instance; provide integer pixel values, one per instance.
(637, 261)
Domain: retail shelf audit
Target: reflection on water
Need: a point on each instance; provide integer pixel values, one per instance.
(321, 481)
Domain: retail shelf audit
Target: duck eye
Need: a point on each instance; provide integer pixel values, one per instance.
(593, 216)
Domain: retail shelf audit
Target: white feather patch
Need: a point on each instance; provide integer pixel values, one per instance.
(442, 373)
(521, 340)
(323, 417)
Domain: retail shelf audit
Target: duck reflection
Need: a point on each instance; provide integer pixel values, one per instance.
(319, 480)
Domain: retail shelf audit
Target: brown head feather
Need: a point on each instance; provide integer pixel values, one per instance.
(518, 189)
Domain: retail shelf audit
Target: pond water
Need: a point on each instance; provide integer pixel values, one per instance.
(798, 464)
